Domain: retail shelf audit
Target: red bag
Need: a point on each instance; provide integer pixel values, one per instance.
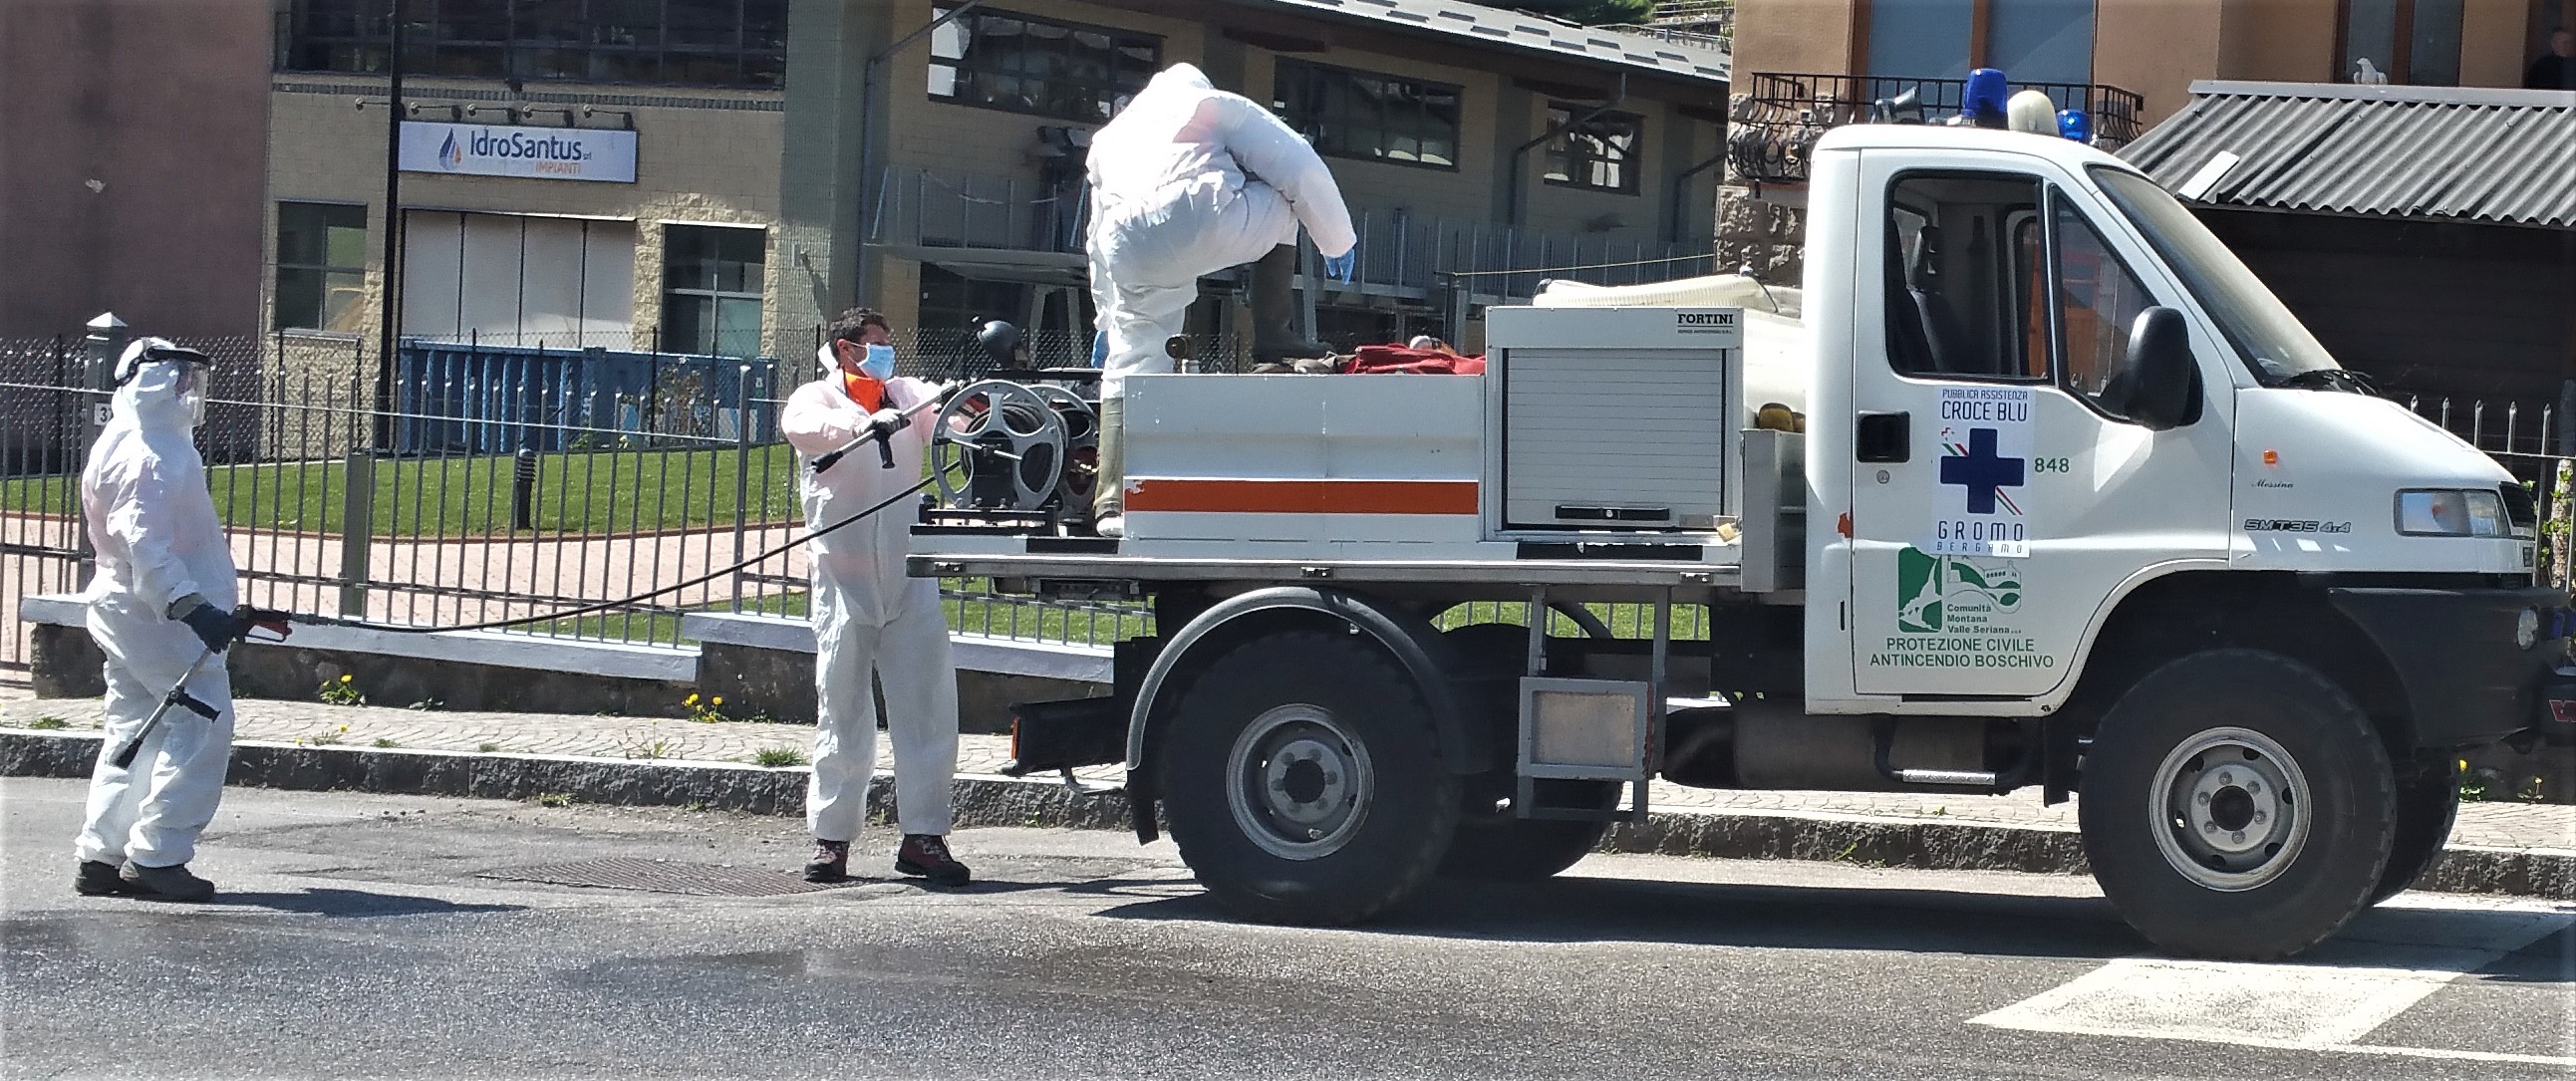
(1403, 360)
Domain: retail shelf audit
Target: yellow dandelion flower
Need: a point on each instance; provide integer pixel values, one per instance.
(693, 700)
(346, 678)
(719, 700)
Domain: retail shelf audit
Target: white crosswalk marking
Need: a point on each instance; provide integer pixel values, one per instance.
(2329, 1002)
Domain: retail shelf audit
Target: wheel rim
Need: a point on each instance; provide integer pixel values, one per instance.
(2231, 809)
(1298, 783)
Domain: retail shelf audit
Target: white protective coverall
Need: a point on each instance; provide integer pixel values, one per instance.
(158, 540)
(1170, 202)
(870, 616)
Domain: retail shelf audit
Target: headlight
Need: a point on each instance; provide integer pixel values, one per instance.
(2425, 512)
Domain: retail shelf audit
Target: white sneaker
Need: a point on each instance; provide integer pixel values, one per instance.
(1113, 526)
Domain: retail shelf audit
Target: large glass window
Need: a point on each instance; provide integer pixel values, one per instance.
(2033, 41)
(2274, 345)
(1964, 274)
(1600, 153)
(1354, 114)
(695, 42)
(321, 267)
(2098, 300)
(2409, 41)
(711, 289)
(1069, 71)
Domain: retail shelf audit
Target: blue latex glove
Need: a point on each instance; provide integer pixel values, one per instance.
(1099, 350)
(1343, 267)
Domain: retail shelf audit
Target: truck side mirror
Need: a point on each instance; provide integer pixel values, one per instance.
(2164, 377)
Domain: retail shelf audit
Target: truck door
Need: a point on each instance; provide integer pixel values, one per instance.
(1999, 496)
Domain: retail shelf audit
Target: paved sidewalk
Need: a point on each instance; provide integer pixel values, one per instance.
(2516, 826)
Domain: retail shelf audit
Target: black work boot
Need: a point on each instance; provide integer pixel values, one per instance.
(926, 856)
(831, 862)
(98, 878)
(172, 883)
(1274, 310)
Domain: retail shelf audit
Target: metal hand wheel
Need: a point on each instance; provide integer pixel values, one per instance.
(1000, 446)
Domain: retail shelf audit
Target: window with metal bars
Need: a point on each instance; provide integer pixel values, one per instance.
(682, 42)
(1600, 153)
(1355, 114)
(1069, 71)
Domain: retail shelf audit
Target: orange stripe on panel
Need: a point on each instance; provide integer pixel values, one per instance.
(1304, 496)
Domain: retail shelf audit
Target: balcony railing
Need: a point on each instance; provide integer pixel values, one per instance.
(1779, 117)
(938, 209)
(1402, 255)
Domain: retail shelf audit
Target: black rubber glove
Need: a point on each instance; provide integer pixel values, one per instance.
(217, 628)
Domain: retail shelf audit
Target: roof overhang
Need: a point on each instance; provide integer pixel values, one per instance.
(2437, 154)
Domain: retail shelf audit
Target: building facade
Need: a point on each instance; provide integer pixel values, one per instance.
(646, 175)
(132, 175)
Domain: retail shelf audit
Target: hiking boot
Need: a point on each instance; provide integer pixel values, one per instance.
(172, 883)
(831, 862)
(925, 856)
(98, 878)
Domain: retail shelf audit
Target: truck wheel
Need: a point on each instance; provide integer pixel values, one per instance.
(1493, 846)
(2237, 804)
(2428, 801)
(1304, 782)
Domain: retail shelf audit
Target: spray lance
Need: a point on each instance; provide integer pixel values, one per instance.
(883, 434)
(245, 620)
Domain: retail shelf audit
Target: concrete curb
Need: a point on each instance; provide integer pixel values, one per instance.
(984, 800)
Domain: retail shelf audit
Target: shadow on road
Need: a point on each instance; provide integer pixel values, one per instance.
(356, 904)
(1574, 909)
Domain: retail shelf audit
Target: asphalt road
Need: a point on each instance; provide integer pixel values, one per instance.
(362, 936)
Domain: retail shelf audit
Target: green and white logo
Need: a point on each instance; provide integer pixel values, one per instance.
(1939, 593)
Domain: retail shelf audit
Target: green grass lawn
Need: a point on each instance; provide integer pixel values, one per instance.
(593, 492)
(1001, 618)
(1027, 619)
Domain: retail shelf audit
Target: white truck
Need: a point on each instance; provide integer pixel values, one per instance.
(2075, 504)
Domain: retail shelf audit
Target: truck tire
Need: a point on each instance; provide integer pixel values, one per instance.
(2237, 804)
(2428, 801)
(1303, 780)
(1493, 846)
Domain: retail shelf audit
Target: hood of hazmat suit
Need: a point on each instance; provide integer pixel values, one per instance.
(1189, 180)
(820, 417)
(158, 541)
(144, 492)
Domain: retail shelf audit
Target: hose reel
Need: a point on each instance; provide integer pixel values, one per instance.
(1006, 446)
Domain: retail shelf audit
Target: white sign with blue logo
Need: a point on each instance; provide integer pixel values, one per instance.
(1982, 502)
(531, 152)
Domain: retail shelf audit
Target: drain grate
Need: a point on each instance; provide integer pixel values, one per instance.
(667, 876)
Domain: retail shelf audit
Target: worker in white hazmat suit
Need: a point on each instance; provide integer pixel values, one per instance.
(869, 617)
(1189, 180)
(162, 599)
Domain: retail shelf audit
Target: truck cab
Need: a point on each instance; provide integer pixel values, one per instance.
(2069, 501)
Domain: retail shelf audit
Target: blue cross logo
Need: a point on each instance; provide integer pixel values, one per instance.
(1984, 473)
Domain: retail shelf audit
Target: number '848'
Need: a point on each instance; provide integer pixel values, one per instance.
(2050, 465)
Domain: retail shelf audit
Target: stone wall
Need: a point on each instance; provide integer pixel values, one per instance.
(1767, 235)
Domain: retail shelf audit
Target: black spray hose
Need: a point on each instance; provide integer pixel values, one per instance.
(602, 606)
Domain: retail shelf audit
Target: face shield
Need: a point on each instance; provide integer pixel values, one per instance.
(190, 373)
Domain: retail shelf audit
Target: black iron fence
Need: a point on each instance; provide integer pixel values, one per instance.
(1778, 116)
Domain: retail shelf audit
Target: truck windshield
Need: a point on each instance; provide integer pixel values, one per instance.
(2273, 343)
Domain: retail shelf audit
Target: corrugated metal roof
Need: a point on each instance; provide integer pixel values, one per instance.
(1675, 55)
(2506, 156)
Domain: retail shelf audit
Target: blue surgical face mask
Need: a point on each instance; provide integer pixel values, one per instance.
(879, 363)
